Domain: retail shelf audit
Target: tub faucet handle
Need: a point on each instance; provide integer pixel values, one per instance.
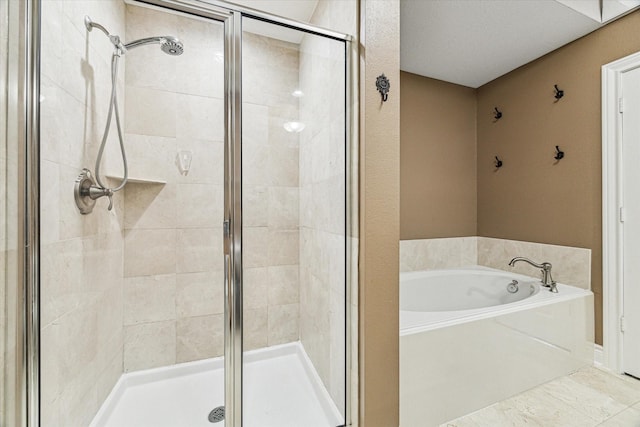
(545, 268)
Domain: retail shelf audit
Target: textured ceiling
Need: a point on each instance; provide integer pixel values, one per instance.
(471, 42)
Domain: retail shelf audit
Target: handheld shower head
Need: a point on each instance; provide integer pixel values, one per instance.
(168, 44)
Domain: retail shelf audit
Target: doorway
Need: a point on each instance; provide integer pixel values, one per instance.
(621, 215)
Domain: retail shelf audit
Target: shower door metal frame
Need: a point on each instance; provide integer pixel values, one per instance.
(231, 17)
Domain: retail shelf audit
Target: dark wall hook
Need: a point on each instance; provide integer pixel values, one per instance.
(498, 163)
(559, 93)
(383, 85)
(559, 154)
(498, 114)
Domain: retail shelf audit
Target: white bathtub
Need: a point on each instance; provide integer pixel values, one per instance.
(468, 350)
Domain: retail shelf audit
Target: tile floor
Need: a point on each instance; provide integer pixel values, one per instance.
(588, 397)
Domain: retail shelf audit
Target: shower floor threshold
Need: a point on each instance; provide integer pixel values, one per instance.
(281, 388)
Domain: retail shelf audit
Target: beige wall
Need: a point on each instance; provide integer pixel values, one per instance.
(438, 157)
(379, 215)
(532, 198)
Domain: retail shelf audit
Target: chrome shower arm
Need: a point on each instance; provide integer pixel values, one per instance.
(91, 25)
(115, 40)
(142, 42)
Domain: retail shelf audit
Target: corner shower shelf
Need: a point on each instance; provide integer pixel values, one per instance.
(136, 180)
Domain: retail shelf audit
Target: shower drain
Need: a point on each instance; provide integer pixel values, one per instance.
(216, 415)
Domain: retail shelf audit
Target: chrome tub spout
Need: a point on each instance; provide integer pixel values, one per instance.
(545, 268)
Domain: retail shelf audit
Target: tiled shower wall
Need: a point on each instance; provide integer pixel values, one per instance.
(173, 268)
(322, 203)
(81, 256)
(173, 264)
(270, 192)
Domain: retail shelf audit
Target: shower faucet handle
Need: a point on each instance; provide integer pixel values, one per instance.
(95, 192)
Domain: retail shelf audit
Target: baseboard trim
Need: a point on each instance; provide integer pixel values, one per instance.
(598, 356)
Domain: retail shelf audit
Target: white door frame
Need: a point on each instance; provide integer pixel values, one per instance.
(612, 254)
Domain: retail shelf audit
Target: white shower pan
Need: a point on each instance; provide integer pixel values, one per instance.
(281, 388)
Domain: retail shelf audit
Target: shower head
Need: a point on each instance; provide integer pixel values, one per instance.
(171, 46)
(168, 44)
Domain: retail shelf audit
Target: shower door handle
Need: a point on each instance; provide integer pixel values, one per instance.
(227, 269)
(226, 247)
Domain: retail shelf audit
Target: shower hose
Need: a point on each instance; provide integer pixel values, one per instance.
(113, 106)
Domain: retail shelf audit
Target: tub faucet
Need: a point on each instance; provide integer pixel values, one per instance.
(545, 268)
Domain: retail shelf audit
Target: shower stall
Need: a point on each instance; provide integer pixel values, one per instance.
(184, 186)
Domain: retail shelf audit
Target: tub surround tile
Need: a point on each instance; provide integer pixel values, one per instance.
(429, 254)
(571, 266)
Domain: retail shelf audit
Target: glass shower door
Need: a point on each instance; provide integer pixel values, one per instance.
(10, 221)
(136, 291)
(293, 227)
